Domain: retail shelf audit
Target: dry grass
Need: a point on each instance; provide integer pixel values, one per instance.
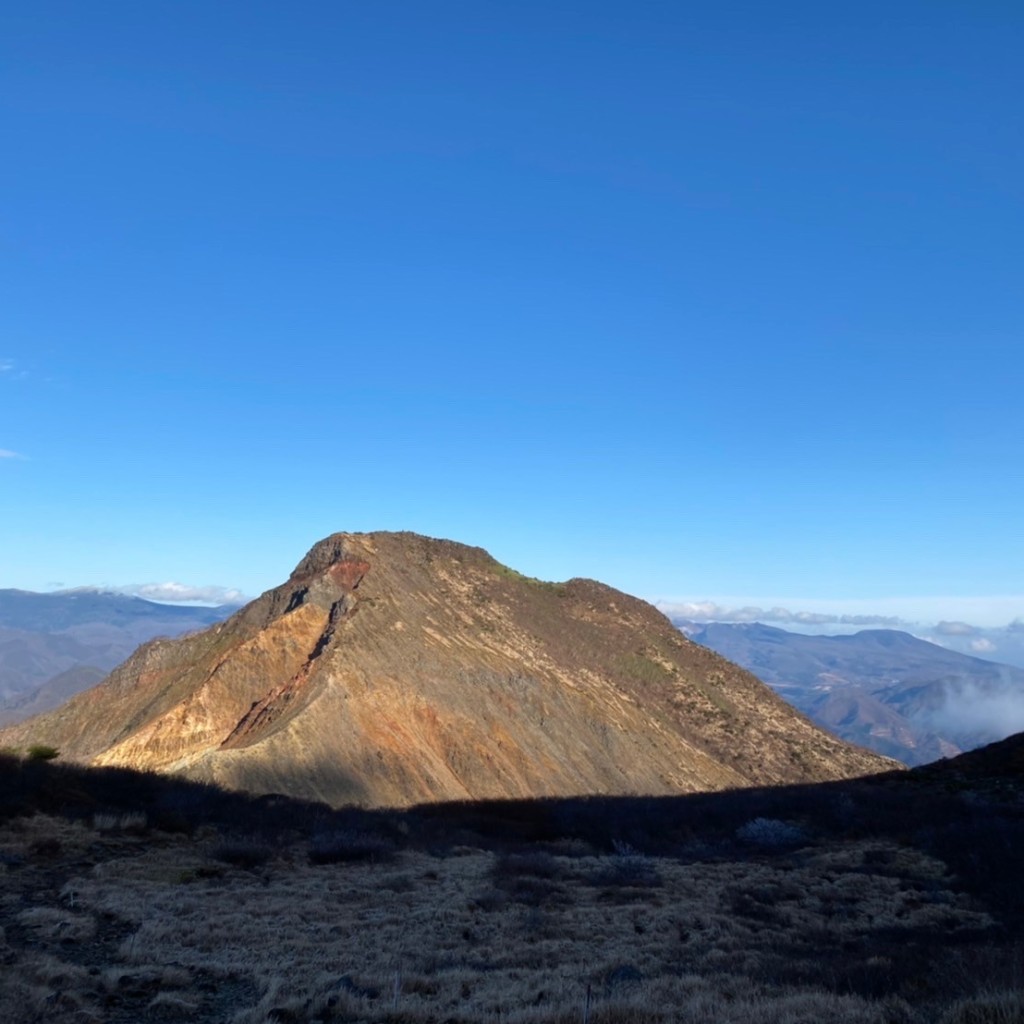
(987, 1008)
(115, 927)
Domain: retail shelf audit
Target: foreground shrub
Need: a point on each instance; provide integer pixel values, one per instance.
(243, 855)
(350, 846)
(42, 752)
(770, 834)
(134, 822)
(628, 871)
(535, 864)
(531, 879)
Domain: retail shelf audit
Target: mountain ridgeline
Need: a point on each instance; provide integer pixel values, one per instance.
(393, 669)
(885, 689)
(55, 645)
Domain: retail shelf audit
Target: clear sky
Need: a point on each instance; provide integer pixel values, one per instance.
(700, 299)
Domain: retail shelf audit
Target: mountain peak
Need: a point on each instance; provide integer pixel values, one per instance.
(392, 668)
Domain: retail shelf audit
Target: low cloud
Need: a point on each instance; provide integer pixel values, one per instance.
(955, 629)
(980, 714)
(705, 611)
(181, 593)
(982, 646)
(709, 611)
(1017, 626)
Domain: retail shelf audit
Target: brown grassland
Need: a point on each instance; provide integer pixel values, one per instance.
(129, 897)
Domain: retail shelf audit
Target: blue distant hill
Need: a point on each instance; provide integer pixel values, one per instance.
(55, 645)
(884, 689)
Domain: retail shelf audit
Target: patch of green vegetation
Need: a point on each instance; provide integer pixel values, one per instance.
(512, 574)
(642, 668)
(504, 570)
(42, 752)
(716, 698)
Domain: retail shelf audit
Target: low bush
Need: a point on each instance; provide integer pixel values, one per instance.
(133, 822)
(629, 872)
(770, 834)
(243, 855)
(350, 846)
(535, 865)
(529, 878)
(42, 752)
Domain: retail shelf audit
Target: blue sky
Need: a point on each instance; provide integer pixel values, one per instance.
(699, 299)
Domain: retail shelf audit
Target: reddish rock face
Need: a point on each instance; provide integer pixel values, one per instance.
(394, 669)
(348, 573)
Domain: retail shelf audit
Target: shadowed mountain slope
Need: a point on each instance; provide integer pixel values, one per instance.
(884, 689)
(393, 669)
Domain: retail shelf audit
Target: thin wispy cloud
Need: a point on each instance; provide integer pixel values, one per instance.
(9, 369)
(710, 611)
(6, 453)
(182, 593)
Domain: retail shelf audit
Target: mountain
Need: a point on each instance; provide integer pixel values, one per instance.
(884, 689)
(393, 669)
(55, 645)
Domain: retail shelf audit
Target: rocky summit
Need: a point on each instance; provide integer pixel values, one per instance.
(393, 669)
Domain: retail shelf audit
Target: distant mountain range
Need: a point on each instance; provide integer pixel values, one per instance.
(393, 669)
(884, 689)
(55, 645)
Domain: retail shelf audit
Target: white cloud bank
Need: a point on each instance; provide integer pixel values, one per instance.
(972, 709)
(945, 616)
(711, 611)
(182, 593)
